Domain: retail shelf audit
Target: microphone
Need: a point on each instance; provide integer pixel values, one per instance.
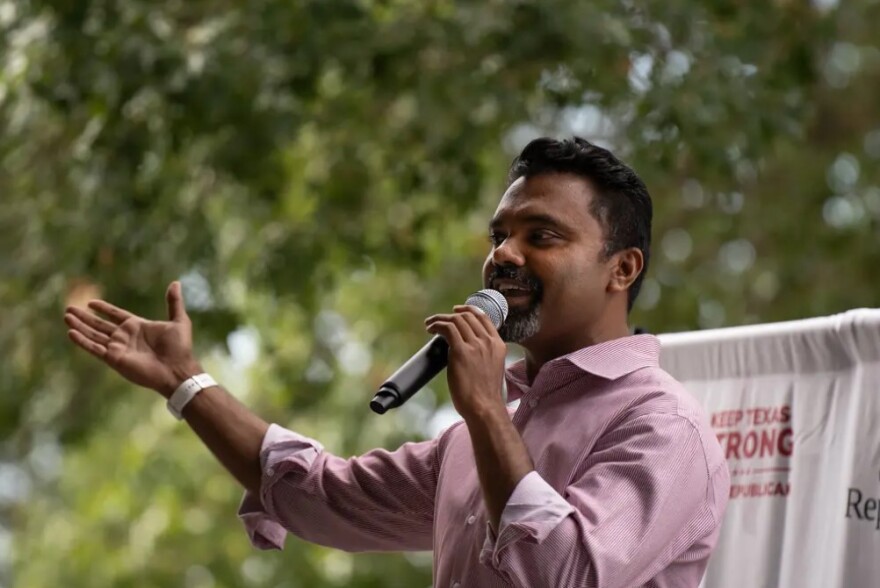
(433, 357)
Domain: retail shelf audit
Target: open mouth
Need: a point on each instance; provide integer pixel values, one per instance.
(515, 293)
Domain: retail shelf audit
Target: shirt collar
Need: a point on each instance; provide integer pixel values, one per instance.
(609, 360)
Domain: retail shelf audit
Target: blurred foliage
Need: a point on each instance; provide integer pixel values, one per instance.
(320, 173)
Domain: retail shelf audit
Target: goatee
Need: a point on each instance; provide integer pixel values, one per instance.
(521, 323)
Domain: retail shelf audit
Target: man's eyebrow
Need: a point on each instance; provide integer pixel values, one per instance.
(535, 218)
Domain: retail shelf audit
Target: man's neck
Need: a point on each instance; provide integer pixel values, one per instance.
(538, 353)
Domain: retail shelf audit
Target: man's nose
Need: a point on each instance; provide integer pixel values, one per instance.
(507, 253)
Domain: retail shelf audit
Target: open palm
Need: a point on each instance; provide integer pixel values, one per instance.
(153, 354)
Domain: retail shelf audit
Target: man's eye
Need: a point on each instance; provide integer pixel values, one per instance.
(496, 239)
(542, 236)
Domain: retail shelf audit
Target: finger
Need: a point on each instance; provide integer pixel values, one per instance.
(477, 327)
(477, 312)
(91, 319)
(116, 314)
(95, 349)
(467, 308)
(477, 315)
(176, 307)
(466, 332)
(448, 331)
(464, 327)
(438, 317)
(77, 325)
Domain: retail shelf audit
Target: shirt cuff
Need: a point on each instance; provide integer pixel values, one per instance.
(280, 443)
(534, 509)
(264, 530)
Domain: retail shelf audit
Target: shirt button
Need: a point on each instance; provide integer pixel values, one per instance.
(270, 472)
(533, 403)
(456, 584)
(471, 519)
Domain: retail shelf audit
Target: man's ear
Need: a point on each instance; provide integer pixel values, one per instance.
(626, 265)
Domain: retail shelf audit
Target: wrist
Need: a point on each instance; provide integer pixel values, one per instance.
(486, 411)
(178, 373)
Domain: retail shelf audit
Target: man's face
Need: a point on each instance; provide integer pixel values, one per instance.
(547, 259)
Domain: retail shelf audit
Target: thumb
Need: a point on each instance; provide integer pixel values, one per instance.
(174, 298)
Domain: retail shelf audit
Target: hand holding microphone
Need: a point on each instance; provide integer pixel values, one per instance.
(468, 341)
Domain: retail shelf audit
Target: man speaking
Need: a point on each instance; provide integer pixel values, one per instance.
(606, 474)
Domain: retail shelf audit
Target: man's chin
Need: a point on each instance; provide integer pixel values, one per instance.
(524, 342)
(520, 327)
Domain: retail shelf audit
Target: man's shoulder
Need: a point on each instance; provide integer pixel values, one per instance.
(655, 390)
(658, 393)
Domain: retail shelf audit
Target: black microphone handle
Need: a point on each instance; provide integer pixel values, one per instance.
(415, 373)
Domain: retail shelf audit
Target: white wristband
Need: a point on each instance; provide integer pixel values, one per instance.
(186, 392)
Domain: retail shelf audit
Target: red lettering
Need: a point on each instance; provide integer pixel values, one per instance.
(733, 439)
(750, 444)
(755, 490)
(768, 442)
(726, 419)
(786, 443)
(756, 416)
(756, 443)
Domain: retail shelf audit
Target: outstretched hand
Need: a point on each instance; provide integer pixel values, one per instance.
(153, 354)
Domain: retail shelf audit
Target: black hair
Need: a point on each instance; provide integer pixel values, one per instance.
(622, 204)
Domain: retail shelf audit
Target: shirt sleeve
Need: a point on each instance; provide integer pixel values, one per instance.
(533, 502)
(645, 494)
(379, 501)
(264, 531)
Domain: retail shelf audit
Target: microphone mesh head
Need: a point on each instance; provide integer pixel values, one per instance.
(491, 302)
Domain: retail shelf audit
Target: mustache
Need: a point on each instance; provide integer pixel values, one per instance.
(520, 275)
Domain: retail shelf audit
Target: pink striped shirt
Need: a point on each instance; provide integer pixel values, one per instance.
(629, 486)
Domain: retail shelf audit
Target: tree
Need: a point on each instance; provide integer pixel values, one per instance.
(320, 174)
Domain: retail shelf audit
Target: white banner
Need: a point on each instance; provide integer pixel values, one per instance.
(795, 406)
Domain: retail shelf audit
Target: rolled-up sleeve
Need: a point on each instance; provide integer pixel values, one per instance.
(644, 494)
(380, 501)
(278, 443)
(535, 507)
